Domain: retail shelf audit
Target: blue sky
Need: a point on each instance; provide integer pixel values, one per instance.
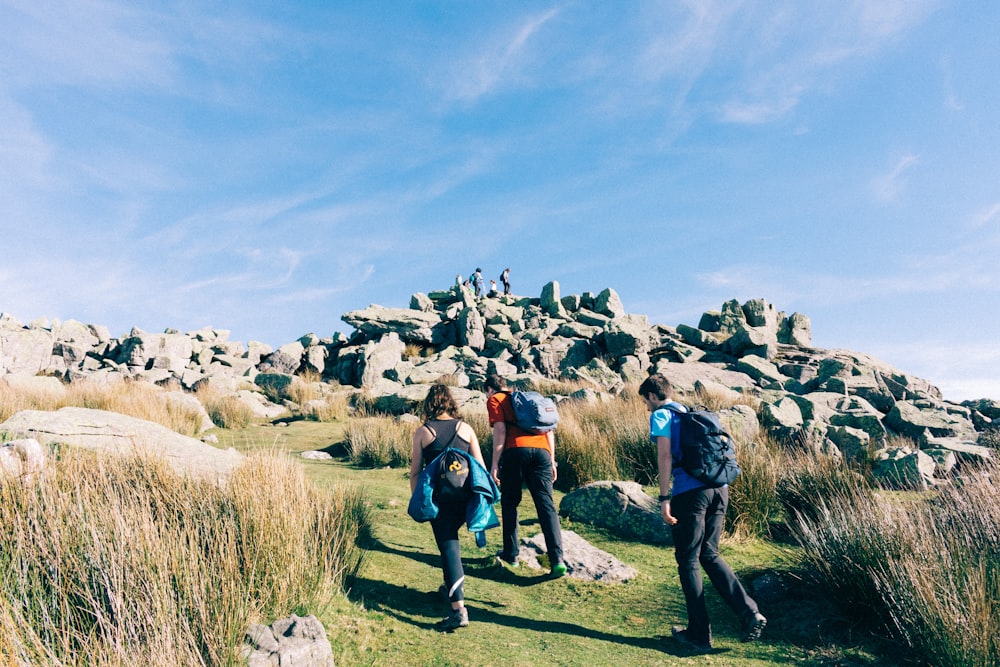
(265, 167)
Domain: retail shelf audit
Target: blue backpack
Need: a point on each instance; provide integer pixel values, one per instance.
(533, 412)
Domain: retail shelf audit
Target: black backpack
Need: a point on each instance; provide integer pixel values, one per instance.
(707, 452)
(451, 479)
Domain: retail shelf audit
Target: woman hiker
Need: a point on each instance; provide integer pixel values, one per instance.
(442, 429)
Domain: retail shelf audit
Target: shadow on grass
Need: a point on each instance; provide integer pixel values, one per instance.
(484, 567)
(405, 604)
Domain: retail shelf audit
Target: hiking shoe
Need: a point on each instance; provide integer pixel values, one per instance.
(753, 625)
(682, 637)
(504, 562)
(458, 618)
(559, 570)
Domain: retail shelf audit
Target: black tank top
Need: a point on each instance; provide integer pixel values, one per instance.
(445, 431)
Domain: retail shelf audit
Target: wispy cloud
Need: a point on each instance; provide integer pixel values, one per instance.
(889, 186)
(499, 63)
(987, 216)
(764, 111)
(86, 42)
(799, 51)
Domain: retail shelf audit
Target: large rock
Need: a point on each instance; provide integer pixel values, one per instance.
(762, 370)
(760, 313)
(782, 418)
(759, 341)
(171, 351)
(699, 338)
(25, 351)
(22, 458)
(289, 642)
(121, 434)
(796, 329)
(917, 422)
(621, 507)
(964, 451)
(378, 357)
(609, 304)
(624, 337)
(551, 302)
(410, 326)
(258, 404)
(188, 403)
(558, 355)
(856, 412)
(901, 468)
(286, 359)
(471, 329)
(583, 560)
(35, 385)
(740, 422)
(684, 376)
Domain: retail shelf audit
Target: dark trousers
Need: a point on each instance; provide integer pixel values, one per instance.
(530, 466)
(451, 517)
(700, 514)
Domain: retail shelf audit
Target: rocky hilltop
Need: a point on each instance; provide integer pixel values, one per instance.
(837, 401)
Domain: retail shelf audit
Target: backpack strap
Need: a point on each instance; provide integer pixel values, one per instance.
(455, 434)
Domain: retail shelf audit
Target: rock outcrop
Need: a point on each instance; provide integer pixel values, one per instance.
(838, 401)
(121, 434)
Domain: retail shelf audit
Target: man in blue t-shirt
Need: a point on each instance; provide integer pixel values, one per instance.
(695, 514)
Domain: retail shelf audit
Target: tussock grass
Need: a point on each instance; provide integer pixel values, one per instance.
(480, 423)
(926, 568)
(135, 399)
(119, 561)
(333, 407)
(449, 380)
(301, 391)
(604, 440)
(753, 498)
(375, 442)
(225, 410)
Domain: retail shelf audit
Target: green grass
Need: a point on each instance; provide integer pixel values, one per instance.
(528, 619)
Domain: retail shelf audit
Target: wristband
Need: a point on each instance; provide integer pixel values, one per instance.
(664, 499)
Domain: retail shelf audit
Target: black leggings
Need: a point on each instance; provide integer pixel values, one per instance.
(450, 518)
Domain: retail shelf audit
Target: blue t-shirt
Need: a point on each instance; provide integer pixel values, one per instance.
(662, 422)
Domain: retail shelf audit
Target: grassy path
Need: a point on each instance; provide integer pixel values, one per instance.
(524, 617)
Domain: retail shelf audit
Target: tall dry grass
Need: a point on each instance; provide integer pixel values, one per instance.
(606, 439)
(375, 442)
(136, 399)
(926, 568)
(754, 505)
(113, 561)
(331, 408)
(225, 410)
(480, 423)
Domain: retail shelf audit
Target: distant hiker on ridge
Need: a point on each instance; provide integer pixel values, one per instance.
(477, 281)
(505, 280)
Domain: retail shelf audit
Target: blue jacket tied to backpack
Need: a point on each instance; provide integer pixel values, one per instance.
(479, 512)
